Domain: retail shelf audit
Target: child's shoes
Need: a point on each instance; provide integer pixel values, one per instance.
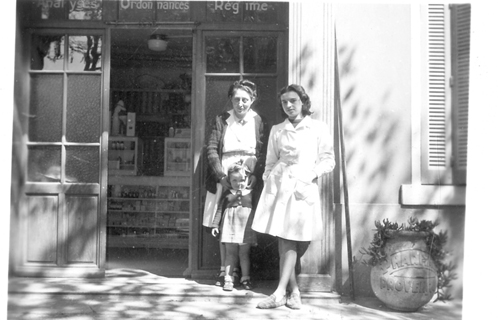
(228, 286)
(246, 284)
(220, 279)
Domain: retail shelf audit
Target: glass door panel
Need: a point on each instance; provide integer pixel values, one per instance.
(82, 164)
(47, 52)
(44, 163)
(83, 108)
(260, 54)
(85, 53)
(222, 55)
(45, 110)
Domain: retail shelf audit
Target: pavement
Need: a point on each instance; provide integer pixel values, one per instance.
(137, 294)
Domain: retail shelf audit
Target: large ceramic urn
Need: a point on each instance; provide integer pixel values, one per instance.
(407, 279)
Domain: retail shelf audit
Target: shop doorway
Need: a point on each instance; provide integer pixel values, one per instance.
(149, 162)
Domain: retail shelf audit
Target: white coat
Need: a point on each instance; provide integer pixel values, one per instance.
(289, 206)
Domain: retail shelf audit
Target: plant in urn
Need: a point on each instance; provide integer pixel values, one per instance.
(408, 265)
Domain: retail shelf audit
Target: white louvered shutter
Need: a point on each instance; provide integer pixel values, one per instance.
(437, 137)
(460, 39)
(445, 112)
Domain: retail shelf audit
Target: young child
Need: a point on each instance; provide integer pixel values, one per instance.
(235, 216)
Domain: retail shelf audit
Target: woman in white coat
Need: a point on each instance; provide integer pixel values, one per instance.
(300, 150)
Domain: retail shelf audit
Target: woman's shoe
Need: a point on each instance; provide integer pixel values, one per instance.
(228, 286)
(294, 301)
(271, 302)
(246, 284)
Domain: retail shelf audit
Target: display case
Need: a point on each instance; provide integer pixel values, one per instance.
(125, 155)
(177, 157)
(148, 215)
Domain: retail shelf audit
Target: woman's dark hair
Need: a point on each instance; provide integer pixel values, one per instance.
(305, 99)
(246, 85)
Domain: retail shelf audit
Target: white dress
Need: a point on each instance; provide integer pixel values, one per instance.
(236, 222)
(289, 206)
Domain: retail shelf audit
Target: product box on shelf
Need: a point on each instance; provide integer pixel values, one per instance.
(182, 132)
(177, 157)
(183, 224)
(130, 124)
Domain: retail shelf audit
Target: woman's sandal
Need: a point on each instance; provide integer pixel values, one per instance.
(294, 301)
(271, 302)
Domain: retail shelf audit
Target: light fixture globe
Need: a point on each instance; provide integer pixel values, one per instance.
(158, 42)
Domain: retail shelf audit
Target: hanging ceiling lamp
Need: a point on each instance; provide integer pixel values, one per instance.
(158, 42)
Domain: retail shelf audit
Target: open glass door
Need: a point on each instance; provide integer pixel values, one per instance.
(228, 56)
(150, 164)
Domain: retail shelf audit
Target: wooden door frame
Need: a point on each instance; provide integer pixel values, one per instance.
(20, 213)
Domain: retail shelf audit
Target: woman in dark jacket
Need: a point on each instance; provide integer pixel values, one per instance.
(237, 135)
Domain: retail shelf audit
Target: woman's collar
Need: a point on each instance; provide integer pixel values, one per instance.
(305, 122)
(251, 114)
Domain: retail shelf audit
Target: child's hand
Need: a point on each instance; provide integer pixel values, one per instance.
(215, 232)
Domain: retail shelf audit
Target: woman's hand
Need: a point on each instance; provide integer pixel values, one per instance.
(215, 232)
(225, 183)
(307, 176)
(252, 182)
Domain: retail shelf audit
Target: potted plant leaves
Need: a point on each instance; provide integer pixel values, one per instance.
(409, 264)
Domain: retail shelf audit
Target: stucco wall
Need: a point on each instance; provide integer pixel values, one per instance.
(374, 44)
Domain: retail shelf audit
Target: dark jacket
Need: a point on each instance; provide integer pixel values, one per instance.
(215, 146)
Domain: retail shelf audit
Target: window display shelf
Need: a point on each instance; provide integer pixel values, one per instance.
(125, 155)
(150, 215)
(147, 242)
